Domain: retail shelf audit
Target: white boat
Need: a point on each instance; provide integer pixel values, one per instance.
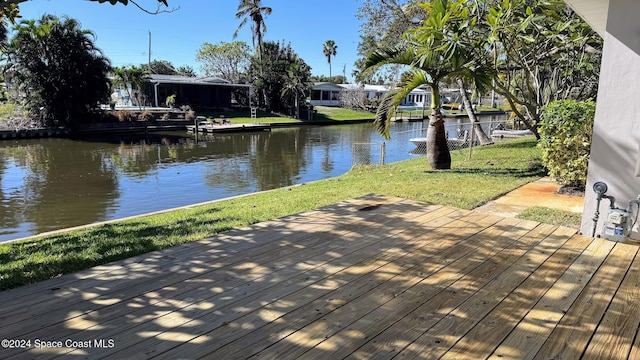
(511, 133)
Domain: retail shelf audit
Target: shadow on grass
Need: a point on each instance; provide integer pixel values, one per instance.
(520, 144)
(536, 169)
(318, 117)
(44, 258)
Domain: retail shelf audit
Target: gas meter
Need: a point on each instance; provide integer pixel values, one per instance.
(617, 225)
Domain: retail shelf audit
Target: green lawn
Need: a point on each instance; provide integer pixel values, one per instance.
(323, 113)
(338, 114)
(551, 216)
(494, 170)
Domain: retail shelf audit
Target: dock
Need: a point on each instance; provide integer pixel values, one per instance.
(227, 128)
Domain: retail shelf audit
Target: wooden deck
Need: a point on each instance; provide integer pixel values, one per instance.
(372, 278)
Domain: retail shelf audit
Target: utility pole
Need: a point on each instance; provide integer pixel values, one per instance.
(149, 63)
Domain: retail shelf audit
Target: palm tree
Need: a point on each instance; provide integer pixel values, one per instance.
(253, 9)
(55, 64)
(434, 53)
(133, 76)
(294, 84)
(329, 49)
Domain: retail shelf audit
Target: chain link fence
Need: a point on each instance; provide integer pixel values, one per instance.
(368, 154)
(462, 137)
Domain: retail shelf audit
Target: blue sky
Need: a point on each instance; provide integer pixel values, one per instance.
(123, 31)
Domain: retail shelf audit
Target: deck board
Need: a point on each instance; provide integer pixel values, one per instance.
(370, 278)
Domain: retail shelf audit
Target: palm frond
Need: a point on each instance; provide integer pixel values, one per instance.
(382, 120)
(394, 98)
(389, 56)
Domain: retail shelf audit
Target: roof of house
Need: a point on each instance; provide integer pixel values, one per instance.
(378, 88)
(326, 86)
(186, 80)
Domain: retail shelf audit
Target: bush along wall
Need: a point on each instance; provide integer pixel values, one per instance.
(566, 130)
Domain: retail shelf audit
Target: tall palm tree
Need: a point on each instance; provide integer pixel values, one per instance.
(329, 49)
(434, 53)
(253, 10)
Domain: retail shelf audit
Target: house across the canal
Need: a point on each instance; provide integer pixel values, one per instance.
(199, 93)
(328, 94)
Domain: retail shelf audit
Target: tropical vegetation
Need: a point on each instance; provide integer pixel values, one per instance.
(164, 67)
(329, 49)
(134, 76)
(281, 76)
(56, 71)
(531, 52)
(252, 10)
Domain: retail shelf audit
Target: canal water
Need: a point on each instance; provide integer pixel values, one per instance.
(50, 184)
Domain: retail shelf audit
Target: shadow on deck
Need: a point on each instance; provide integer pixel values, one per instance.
(375, 277)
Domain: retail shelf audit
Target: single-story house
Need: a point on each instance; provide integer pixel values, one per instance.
(199, 93)
(326, 94)
(615, 151)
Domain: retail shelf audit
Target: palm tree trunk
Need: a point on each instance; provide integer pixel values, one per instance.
(437, 150)
(477, 128)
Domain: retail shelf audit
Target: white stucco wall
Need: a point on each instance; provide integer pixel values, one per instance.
(615, 149)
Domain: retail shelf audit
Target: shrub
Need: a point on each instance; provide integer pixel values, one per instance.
(126, 115)
(566, 128)
(146, 116)
(171, 101)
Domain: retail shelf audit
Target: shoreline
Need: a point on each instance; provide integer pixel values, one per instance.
(179, 125)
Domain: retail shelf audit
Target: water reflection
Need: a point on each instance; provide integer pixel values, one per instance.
(45, 182)
(48, 184)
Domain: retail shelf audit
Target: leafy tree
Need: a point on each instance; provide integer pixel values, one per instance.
(279, 68)
(162, 67)
(383, 24)
(186, 70)
(338, 79)
(253, 10)
(542, 51)
(329, 49)
(56, 66)
(226, 60)
(134, 77)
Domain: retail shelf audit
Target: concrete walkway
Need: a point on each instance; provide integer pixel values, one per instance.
(537, 193)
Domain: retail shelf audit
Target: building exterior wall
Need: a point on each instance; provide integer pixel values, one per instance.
(615, 148)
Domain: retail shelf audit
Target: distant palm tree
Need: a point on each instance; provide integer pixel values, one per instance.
(133, 76)
(329, 49)
(253, 9)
